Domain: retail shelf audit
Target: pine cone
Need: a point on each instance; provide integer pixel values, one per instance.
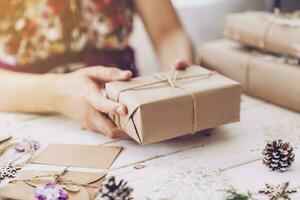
(278, 155)
(111, 190)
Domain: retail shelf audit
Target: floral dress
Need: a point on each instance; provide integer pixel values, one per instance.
(33, 31)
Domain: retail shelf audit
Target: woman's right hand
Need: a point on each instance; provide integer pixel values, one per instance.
(77, 95)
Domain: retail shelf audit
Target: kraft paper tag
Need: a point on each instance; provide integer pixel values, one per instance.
(74, 155)
(26, 190)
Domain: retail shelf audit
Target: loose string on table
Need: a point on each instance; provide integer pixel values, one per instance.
(28, 151)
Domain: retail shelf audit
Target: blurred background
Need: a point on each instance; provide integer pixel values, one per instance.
(203, 20)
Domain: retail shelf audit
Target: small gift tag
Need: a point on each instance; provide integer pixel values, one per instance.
(75, 155)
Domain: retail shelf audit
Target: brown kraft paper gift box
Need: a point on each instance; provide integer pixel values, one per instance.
(267, 31)
(175, 103)
(268, 79)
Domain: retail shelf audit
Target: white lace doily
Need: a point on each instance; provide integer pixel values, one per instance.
(185, 181)
(288, 130)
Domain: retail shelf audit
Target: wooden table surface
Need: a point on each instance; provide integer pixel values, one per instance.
(191, 167)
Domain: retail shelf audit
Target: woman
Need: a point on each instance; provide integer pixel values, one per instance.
(36, 35)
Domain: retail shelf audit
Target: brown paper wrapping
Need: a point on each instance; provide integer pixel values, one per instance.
(272, 81)
(72, 155)
(22, 191)
(159, 111)
(266, 31)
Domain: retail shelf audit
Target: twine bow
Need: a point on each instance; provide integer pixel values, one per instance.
(58, 179)
(171, 79)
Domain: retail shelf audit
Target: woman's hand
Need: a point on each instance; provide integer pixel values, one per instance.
(170, 40)
(77, 95)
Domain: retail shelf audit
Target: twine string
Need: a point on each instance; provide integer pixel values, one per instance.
(28, 151)
(247, 73)
(171, 80)
(273, 21)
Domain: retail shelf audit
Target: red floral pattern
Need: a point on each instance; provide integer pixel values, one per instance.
(36, 29)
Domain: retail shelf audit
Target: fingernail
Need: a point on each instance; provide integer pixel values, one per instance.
(182, 65)
(121, 110)
(124, 74)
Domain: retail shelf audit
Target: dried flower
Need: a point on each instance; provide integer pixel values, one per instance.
(50, 192)
(20, 148)
(24, 144)
(36, 145)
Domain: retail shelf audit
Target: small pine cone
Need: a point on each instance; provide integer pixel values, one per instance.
(278, 155)
(111, 190)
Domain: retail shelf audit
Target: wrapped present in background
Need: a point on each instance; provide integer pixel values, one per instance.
(175, 103)
(272, 78)
(277, 33)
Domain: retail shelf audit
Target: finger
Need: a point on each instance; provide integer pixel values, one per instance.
(108, 73)
(107, 127)
(182, 65)
(103, 104)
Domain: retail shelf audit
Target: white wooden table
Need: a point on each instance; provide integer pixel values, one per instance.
(179, 168)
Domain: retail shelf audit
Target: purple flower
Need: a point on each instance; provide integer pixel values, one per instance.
(50, 191)
(24, 144)
(20, 148)
(36, 145)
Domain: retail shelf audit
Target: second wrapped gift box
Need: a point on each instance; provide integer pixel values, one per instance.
(269, 32)
(265, 76)
(175, 103)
